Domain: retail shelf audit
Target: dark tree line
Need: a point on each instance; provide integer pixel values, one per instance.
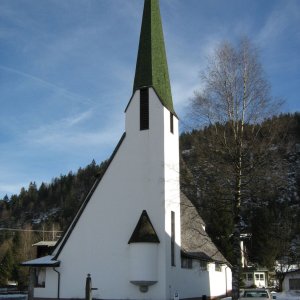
(39, 213)
(271, 205)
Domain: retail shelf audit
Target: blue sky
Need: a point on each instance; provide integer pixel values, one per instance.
(67, 69)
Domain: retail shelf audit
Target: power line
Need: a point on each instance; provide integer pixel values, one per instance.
(28, 230)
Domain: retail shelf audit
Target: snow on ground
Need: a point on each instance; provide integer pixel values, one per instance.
(280, 296)
(287, 296)
(13, 296)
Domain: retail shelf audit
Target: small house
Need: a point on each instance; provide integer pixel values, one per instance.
(291, 281)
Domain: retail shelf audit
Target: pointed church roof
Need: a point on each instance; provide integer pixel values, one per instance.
(144, 231)
(151, 66)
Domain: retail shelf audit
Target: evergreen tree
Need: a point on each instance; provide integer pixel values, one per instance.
(6, 268)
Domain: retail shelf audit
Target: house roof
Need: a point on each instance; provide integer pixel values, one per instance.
(151, 66)
(295, 271)
(45, 261)
(45, 243)
(254, 269)
(195, 242)
(144, 231)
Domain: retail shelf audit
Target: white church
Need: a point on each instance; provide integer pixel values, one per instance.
(135, 233)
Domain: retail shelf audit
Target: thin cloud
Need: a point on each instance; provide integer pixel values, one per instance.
(185, 70)
(282, 18)
(70, 134)
(44, 83)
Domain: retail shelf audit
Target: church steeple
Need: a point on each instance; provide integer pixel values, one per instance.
(151, 67)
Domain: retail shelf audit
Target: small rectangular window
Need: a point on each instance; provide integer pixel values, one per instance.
(294, 283)
(39, 277)
(203, 265)
(261, 277)
(173, 238)
(218, 267)
(171, 123)
(186, 263)
(250, 276)
(144, 109)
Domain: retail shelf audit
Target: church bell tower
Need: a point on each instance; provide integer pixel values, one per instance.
(152, 133)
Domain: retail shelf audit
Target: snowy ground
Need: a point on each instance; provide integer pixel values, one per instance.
(287, 296)
(14, 296)
(281, 296)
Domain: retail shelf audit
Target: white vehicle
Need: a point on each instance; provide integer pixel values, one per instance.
(256, 294)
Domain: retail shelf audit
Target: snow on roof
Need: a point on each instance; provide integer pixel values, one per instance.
(45, 261)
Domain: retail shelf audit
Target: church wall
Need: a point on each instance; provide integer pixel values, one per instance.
(193, 283)
(220, 281)
(172, 201)
(196, 282)
(142, 269)
(133, 182)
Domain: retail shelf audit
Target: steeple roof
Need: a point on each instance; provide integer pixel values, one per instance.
(151, 66)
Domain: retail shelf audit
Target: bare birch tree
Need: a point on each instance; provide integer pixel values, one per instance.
(235, 99)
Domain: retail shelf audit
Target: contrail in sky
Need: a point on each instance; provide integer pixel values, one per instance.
(68, 94)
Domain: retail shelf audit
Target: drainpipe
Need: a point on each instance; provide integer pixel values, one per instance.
(226, 280)
(58, 283)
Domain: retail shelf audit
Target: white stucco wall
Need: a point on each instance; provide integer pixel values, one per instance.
(196, 282)
(220, 282)
(51, 285)
(141, 258)
(193, 282)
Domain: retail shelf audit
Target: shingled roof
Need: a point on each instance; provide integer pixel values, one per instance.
(151, 66)
(195, 242)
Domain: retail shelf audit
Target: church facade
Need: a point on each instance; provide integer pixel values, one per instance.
(136, 234)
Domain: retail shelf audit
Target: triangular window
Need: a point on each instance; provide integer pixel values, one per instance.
(144, 231)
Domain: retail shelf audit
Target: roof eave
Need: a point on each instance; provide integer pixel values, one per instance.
(56, 264)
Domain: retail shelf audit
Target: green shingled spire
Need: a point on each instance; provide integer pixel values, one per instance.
(151, 66)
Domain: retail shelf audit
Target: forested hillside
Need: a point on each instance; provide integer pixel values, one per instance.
(270, 196)
(271, 215)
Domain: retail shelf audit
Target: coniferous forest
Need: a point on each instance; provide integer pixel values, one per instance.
(270, 214)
